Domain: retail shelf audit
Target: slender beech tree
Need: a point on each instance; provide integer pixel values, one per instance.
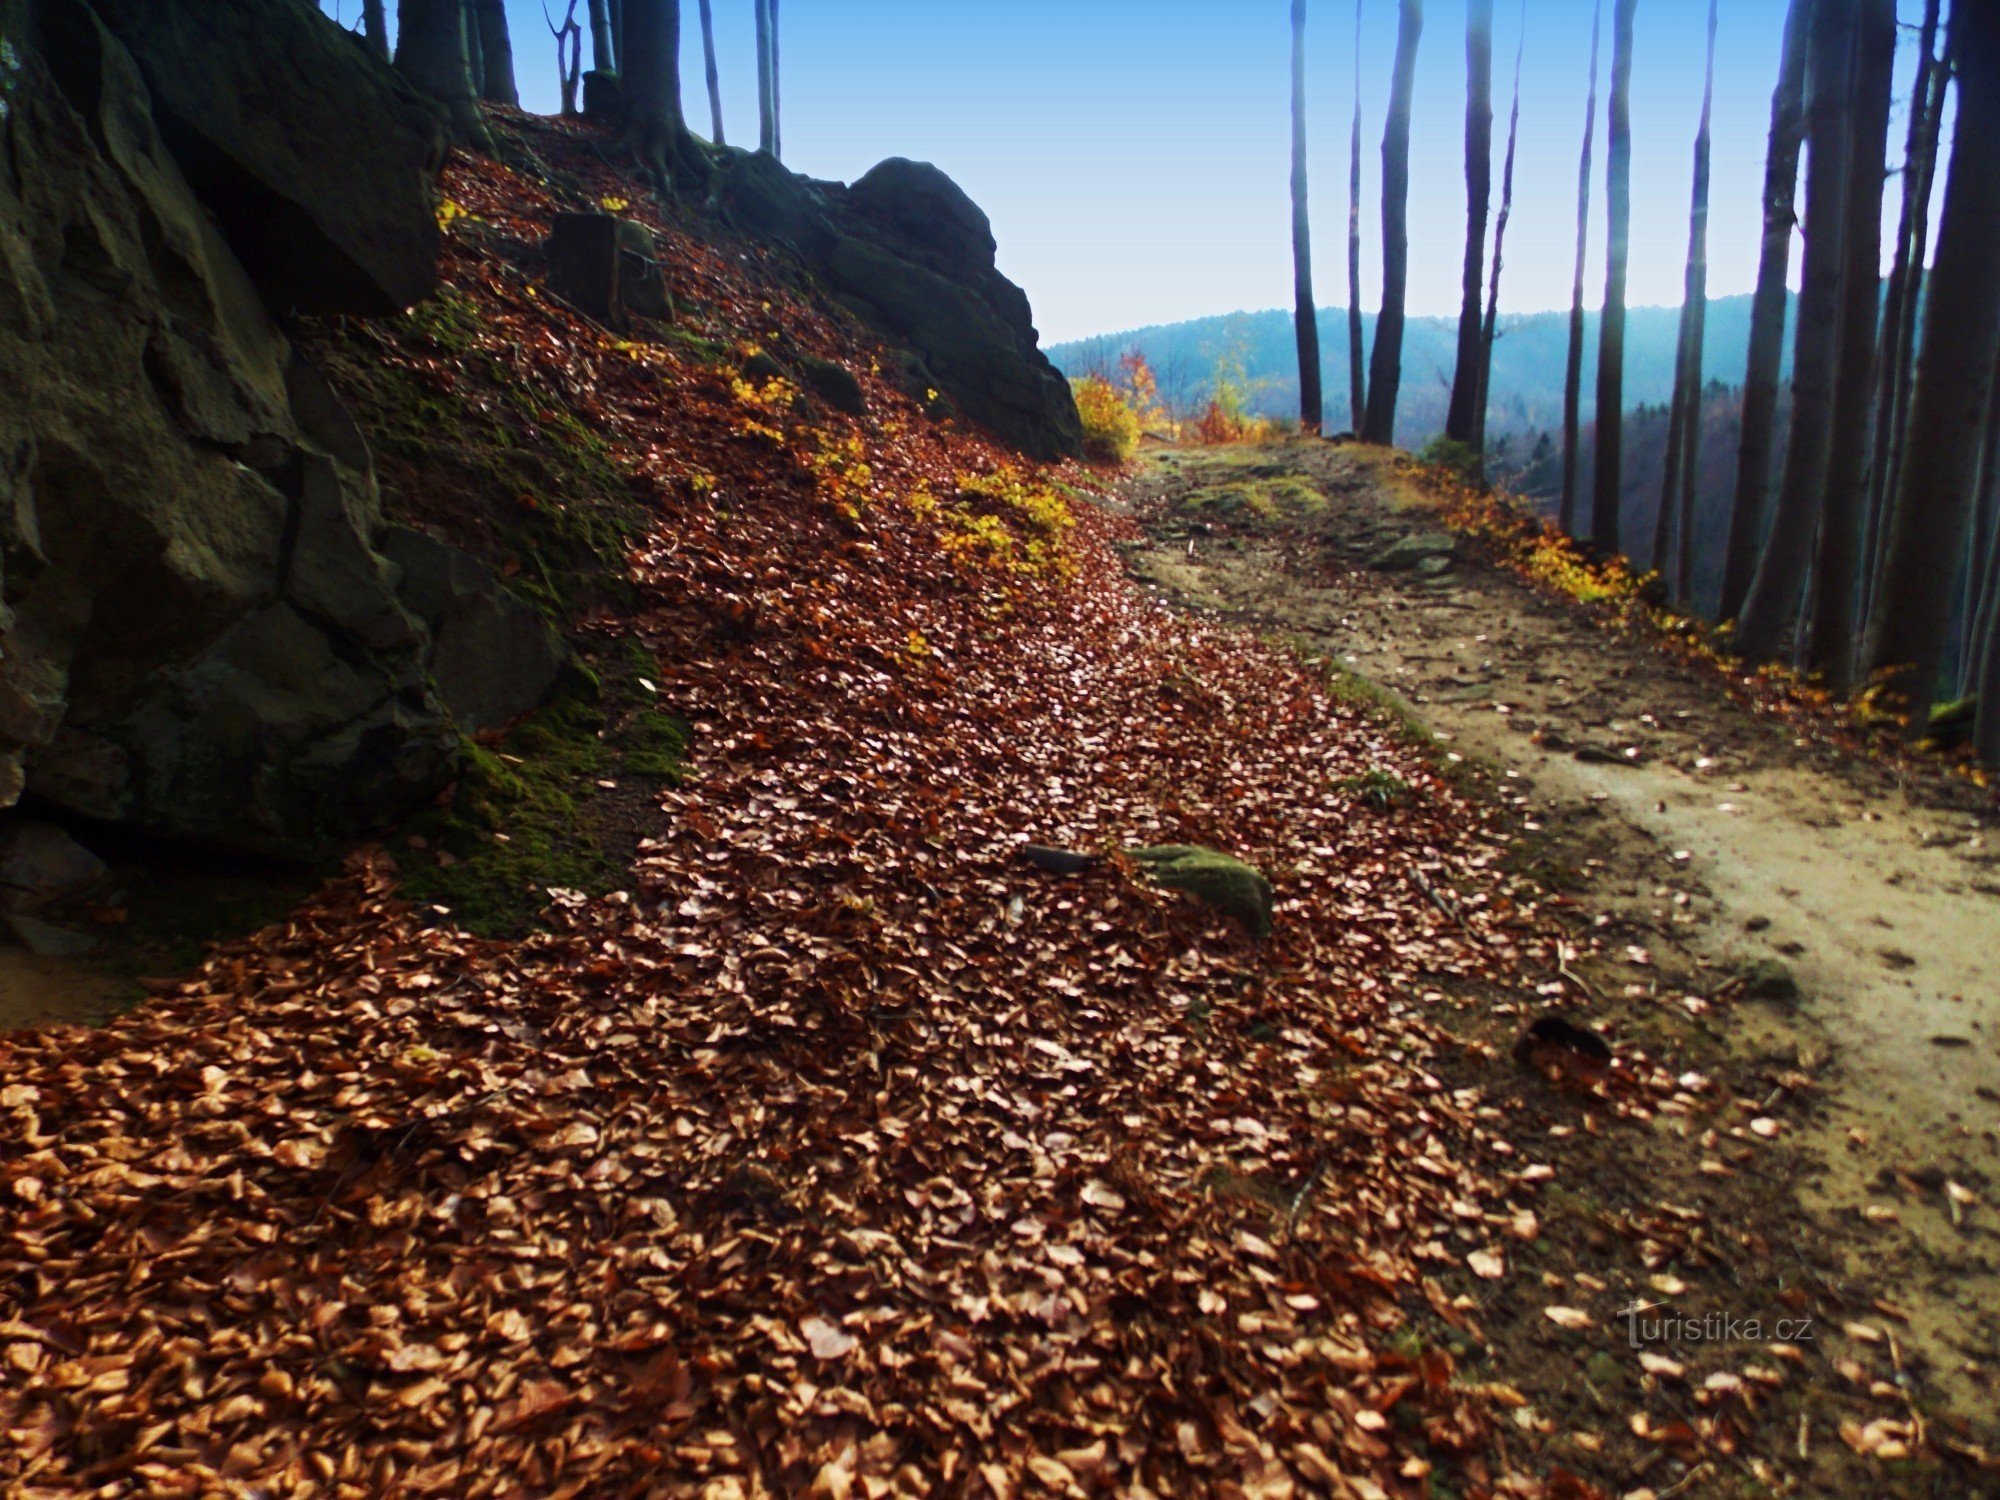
(1960, 342)
(1305, 317)
(767, 134)
(708, 63)
(1461, 416)
(1385, 361)
(1573, 374)
(375, 25)
(1491, 333)
(655, 126)
(496, 48)
(1357, 379)
(1772, 606)
(1976, 622)
(1751, 498)
(777, 87)
(1834, 624)
(1899, 305)
(431, 53)
(1607, 489)
(603, 44)
(1684, 416)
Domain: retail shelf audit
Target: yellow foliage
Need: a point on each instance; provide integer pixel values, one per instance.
(841, 472)
(1110, 426)
(1012, 522)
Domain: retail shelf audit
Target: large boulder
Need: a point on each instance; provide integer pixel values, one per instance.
(319, 162)
(197, 634)
(493, 656)
(913, 257)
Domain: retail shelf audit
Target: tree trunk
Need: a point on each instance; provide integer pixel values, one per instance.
(708, 62)
(1899, 311)
(475, 50)
(1607, 488)
(766, 131)
(618, 32)
(1772, 606)
(1357, 379)
(569, 63)
(431, 53)
(1832, 641)
(375, 25)
(1573, 375)
(497, 51)
(1305, 316)
(1492, 329)
(1980, 602)
(1985, 681)
(655, 127)
(1684, 420)
(1459, 416)
(777, 91)
(1767, 316)
(1385, 365)
(603, 47)
(1954, 380)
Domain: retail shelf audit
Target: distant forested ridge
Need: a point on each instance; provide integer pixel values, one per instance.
(1258, 351)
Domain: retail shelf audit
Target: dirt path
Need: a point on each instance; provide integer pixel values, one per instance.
(1699, 834)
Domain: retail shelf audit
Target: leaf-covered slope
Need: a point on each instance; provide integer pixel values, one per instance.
(837, 1151)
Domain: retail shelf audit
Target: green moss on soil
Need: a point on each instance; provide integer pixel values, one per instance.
(1283, 498)
(551, 806)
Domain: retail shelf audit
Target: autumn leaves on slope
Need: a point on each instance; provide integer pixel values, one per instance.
(838, 1149)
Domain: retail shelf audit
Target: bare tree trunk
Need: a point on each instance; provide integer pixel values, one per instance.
(1832, 640)
(497, 52)
(655, 127)
(1357, 378)
(777, 93)
(1899, 309)
(1684, 422)
(1492, 329)
(1385, 364)
(1772, 607)
(1573, 376)
(1977, 624)
(1607, 489)
(375, 25)
(1459, 418)
(766, 133)
(1985, 681)
(431, 53)
(1954, 381)
(603, 47)
(1305, 316)
(1767, 316)
(708, 62)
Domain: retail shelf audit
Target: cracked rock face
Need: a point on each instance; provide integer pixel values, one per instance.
(197, 634)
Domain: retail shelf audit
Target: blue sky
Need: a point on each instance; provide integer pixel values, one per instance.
(1133, 154)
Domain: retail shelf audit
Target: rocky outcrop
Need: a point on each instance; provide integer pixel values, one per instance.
(199, 634)
(319, 162)
(913, 257)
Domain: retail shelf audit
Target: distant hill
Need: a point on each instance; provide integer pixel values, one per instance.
(1528, 361)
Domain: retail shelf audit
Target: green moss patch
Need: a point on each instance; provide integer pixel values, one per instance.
(1287, 498)
(558, 803)
(1213, 878)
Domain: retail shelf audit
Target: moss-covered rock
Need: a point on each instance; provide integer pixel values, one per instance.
(1213, 878)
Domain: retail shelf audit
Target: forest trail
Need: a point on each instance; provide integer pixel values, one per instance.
(1711, 835)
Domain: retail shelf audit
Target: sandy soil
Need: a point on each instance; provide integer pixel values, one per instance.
(1700, 833)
